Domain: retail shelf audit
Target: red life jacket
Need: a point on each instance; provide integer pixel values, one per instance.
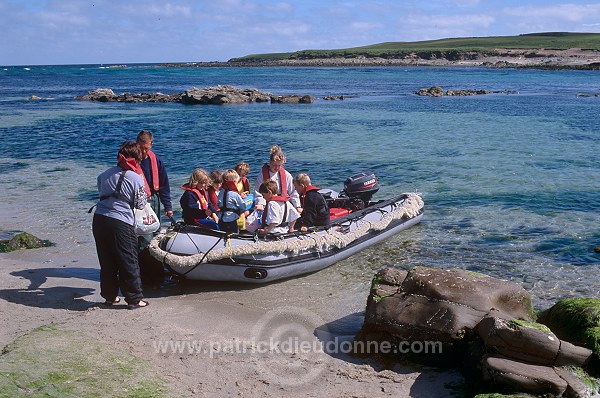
(154, 170)
(131, 164)
(245, 184)
(274, 198)
(230, 186)
(200, 194)
(307, 190)
(212, 195)
(282, 179)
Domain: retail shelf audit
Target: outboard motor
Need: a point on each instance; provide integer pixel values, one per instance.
(361, 186)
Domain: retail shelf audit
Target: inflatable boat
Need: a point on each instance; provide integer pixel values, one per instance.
(198, 253)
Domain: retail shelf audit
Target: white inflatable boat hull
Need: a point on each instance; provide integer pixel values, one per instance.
(275, 265)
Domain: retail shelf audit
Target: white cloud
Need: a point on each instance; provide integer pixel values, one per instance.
(169, 10)
(566, 12)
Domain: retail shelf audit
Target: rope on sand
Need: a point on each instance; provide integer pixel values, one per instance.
(409, 207)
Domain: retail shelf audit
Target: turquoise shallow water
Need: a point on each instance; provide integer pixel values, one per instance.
(510, 180)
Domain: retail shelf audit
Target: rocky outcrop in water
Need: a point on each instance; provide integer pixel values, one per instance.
(217, 95)
(220, 95)
(485, 324)
(439, 92)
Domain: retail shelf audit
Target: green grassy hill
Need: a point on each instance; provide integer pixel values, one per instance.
(551, 40)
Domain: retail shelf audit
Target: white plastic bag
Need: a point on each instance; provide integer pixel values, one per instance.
(254, 221)
(146, 221)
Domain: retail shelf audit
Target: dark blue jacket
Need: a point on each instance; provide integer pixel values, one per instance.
(191, 211)
(315, 211)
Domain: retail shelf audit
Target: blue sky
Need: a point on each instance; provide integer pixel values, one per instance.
(38, 32)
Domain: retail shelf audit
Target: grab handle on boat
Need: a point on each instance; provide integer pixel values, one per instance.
(255, 273)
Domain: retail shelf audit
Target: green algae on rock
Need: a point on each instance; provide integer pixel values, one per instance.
(576, 320)
(53, 362)
(23, 240)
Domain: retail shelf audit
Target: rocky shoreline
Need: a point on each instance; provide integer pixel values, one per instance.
(574, 58)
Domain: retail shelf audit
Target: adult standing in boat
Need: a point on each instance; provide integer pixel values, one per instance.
(274, 171)
(159, 190)
(121, 189)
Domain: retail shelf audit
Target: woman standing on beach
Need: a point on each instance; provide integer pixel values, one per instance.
(121, 190)
(274, 171)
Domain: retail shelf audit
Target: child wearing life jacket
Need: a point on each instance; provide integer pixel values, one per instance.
(215, 184)
(315, 211)
(230, 202)
(194, 202)
(279, 215)
(243, 185)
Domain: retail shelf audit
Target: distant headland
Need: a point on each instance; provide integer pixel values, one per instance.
(552, 50)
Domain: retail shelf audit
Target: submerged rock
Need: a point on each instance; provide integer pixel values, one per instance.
(22, 240)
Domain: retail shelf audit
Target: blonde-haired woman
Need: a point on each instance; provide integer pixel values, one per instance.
(273, 170)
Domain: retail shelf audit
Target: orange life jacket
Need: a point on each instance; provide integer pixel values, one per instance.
(200, 194)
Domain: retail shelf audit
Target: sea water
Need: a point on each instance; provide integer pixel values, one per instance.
(509, 179)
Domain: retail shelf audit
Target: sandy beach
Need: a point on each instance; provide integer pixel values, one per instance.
(200, 339)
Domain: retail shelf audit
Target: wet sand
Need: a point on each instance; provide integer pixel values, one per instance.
(214, 339)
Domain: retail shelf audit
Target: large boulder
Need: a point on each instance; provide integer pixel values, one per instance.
(431, 304)
(530, 342)
(523, 377)
(576, 320)
(100, 94)
(431, 92)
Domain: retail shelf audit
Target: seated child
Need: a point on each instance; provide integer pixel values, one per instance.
(243, 184)
(279, 215)
(216, 182)
(194, 202)
(315, 210)
(230, 202)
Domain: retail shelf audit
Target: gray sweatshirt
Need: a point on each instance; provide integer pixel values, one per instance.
(132, 194)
